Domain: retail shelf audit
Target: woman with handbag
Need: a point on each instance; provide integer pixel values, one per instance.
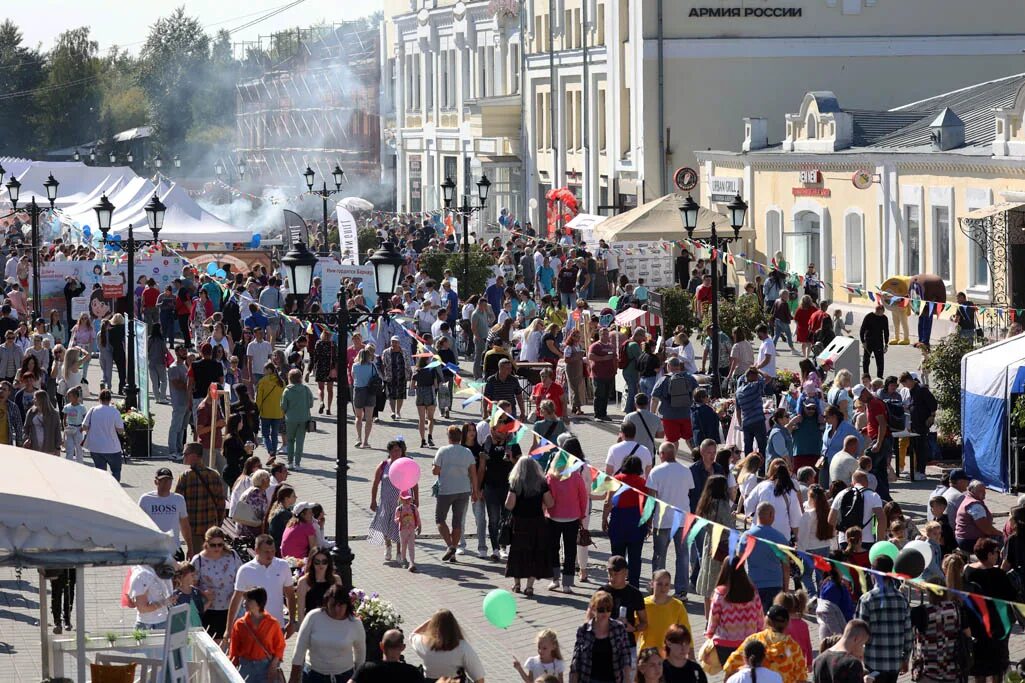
(252, 506)
(268, 401)
(325, 368)
(565, 517)
(297, 406)
(156, 353)
(440, 645)
(395, 371)
(257, 642)
(366, 385)
(331, 643)
(714, 505)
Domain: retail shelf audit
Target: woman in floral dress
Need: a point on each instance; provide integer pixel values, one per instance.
(324, 368)
(383, 528)
(216, 566)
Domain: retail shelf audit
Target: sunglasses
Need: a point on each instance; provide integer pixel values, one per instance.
(320, 562)
(215, 545)
(602, 610)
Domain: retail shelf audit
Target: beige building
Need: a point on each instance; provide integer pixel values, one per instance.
(452, 79)
(934, 186)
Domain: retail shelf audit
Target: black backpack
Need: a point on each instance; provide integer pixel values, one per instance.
(894, 415)
(852, 509)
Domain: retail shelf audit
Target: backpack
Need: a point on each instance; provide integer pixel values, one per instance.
(680, 391)
(852, 510)
(624, 360)
(894, 415)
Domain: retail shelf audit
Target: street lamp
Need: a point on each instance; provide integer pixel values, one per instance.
(34, 211)
(158, 162)
(387, 264)
(130, 157)
(92, 155)
(689, 211)
(76, 156)
(338, 175)
(155, 211)
(219, 170)
(112, 157)
(448, 192)
(241, 169)
(177, 161)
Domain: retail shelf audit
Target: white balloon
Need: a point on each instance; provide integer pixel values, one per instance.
(923, 548)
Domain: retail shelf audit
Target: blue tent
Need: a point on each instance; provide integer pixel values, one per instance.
(988, 378)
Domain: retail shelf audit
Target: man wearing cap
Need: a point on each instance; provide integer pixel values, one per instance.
(955, 493)
(880, 444)
(672, 398)
(204, 492)
(628, 599)
(481, 321)
(167, 509)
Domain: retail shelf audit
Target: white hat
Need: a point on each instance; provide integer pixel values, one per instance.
(301, 507)
(858, 390)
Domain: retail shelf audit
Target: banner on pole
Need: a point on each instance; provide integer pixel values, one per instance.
(142, 366)
(347, 240)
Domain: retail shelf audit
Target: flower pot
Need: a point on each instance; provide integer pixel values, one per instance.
(374, 636)
(139, 443)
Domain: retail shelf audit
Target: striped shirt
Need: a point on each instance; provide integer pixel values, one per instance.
(508, 389)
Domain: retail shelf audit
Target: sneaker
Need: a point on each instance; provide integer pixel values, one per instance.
(483, 554)
(919, 476)
(387, 553)
(423, 444)
(449, 554)
(57, 630)
(555, 586)
(503, 554)
(493, 556)
(460, 551)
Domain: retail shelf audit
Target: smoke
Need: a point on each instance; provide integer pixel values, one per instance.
(262, 215)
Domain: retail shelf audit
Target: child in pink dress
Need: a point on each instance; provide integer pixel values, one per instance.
(407, 516)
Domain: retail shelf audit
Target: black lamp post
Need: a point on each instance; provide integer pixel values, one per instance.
(448, 191)
(76, 156)
(387, 264)
(177, 161)
(155, 210)
(34, 211)
(738, 211)
(338, 175)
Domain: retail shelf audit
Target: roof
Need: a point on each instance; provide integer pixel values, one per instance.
(870, 126)
(56, 513)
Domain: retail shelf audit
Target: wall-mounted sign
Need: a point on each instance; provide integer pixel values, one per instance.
(745, 12)
(811, 192)
(724, 189)
(685, 178)
(812, 177)
(862, 179)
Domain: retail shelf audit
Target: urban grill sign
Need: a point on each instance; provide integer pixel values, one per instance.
(745, 12)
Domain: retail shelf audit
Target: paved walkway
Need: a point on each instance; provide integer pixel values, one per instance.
(459, 587)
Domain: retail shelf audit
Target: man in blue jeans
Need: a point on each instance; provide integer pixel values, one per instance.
(672, 482)
(765, 570)
(751, 410)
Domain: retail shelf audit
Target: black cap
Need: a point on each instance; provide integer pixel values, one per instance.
(164, 473)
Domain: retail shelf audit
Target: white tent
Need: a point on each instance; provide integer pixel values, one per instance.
(76, 179)
(988, 378)
(660, 219)
(57, 513)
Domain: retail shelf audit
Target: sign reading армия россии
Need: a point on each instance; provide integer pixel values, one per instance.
(745, 12)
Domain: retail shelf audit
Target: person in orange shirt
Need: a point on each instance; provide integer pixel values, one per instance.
(257, 643)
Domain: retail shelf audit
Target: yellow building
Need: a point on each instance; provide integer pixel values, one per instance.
(935, 186)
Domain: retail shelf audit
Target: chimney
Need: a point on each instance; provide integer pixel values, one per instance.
(946, 131)
(756, 133)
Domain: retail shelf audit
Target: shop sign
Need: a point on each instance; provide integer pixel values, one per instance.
(811, 192)
(745, 12)
(724, 189)
(811, 177)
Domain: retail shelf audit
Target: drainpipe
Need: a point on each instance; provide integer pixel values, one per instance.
(586, 115)
(551, 91)
(662, 173)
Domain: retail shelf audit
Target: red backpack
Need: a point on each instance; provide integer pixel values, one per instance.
(624, 360)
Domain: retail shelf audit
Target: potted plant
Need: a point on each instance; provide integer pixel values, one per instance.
(378, 615)
(944, 367)
(137, 439)
(787, 377)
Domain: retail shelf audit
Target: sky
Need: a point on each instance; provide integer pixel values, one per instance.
(125, 23)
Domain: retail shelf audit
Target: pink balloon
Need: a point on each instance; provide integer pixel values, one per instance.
(404, 473)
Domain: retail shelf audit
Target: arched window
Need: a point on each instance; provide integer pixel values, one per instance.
(773, 232)
(811, 126)
(854, 249)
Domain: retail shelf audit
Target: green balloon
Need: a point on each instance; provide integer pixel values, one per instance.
(883, 548)
(500, 608)
(613, 302)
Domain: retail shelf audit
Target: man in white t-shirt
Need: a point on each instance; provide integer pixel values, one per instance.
(271, 574)
(167, 509)
(670, 482)
(257, 354)
(647, 425)
(152, 593)
(766, 360)
(624, 448)
(872, 504)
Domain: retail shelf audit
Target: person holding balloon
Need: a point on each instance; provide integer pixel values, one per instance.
(888, 615)
(395, 474)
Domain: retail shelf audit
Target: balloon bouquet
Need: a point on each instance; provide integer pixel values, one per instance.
(562, 203)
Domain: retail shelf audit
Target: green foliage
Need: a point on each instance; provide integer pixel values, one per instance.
(435, 263)
(743, 312)
(944, 367)
(366, 239)
(677, 309)
(1018, 412)
(65, 114)
(21, 69)
(787, 377)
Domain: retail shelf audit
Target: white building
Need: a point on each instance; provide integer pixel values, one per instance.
(454, 70)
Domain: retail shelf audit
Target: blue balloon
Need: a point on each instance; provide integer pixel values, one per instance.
(255, 242)
(221, 273)
(211, 268)
(117, 238)
(86, 230)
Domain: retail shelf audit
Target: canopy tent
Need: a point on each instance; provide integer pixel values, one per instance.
(660, 219)
(56, 513)
(77, 181)
(355, 204)
(988, 378)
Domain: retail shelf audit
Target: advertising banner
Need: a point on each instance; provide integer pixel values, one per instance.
(142, 367)
(332, 273)
(645, 260)
(347, 242)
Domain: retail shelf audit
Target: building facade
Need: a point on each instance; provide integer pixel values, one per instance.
(454, 70)
(934, 186)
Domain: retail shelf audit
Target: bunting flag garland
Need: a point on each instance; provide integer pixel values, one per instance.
(649, 508)
(695, 529)
(677, 519)
(748, 549)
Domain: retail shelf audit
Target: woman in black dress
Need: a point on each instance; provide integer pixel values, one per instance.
(528, 498)
(116, 339)
(325, 364)
(318, 577)
(986, 578)
(234, 450)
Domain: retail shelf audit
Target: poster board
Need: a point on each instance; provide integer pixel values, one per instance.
(646, 260)
(332, 273)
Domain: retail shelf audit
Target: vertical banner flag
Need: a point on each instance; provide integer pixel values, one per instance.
(142, 366)
(295, 229)
(347, 241)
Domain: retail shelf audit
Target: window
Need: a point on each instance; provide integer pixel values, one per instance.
(514, 69)
(978, 265)
(601, 120)
(913, 225)
(811, 127)
(600, 24)
(854, 249)
(540, 128)
(773, 233)
(941, 240)
(578, 123)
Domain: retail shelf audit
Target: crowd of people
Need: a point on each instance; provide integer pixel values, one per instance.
(807, 465)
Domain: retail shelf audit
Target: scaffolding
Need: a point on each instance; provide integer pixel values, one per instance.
(316, 107)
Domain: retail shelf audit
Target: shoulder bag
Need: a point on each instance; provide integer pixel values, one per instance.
(280, 677)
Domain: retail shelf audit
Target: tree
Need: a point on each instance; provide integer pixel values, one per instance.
(123, 104)
(21, 69)
(65, 109)
(174, 64)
